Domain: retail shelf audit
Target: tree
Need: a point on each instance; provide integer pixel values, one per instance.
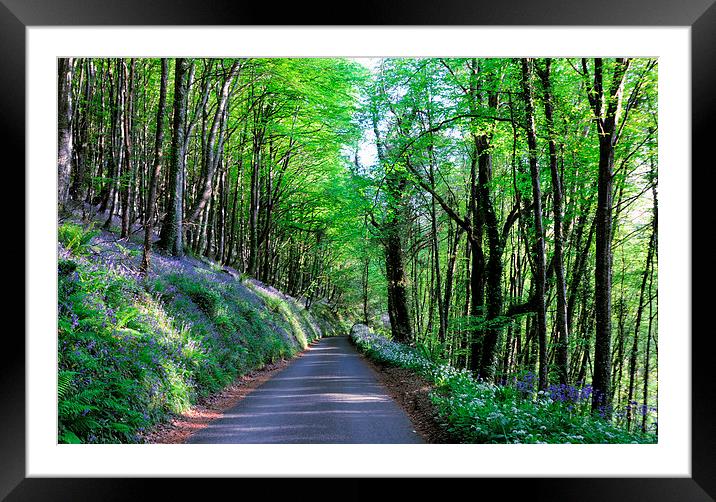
(607, 116)
(64, 129)
(561, 317)
(211, 158)
(156, 169)
(391, 230)
(171, 238)
(539, 253)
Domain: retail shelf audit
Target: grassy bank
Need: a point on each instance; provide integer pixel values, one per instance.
(480, 412)
(133, 351)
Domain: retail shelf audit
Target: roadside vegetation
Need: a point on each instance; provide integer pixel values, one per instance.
(477, 411)
(133, 351)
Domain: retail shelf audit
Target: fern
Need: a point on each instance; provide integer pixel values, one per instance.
(64, 383)
(123, 428)
(125, 315)
(70, 438)
(76, 238)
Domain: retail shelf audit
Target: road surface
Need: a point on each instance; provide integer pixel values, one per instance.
(328, 395)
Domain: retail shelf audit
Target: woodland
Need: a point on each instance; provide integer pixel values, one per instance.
(495, 217)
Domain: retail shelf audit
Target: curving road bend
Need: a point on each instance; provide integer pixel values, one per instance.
(328, 395)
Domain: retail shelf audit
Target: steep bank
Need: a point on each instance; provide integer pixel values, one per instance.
(133, 351)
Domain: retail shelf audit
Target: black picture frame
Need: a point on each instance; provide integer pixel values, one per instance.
(699, 15)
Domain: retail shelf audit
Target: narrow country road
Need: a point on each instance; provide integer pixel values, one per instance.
(329, 395)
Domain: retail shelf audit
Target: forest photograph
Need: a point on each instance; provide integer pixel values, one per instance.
(397, 250)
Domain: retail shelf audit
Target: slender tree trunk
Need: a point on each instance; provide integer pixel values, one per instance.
(128, 181)
(156, 171)
(235, 210)
(560, 284)
(78, 191)
(116, 149)
(64, 129)
(365, 272)
(254, 203)
(220, 254)
(608, 131)
(477, 269)
(539, 255)
(647, 356)
(212, 154)
(449, 276)
(437, 291)
(645, 278)
(635, 344)
(580, 266)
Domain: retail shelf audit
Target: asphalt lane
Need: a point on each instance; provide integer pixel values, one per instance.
(328, 395)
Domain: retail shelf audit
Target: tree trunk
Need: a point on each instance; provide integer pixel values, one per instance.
(172, 238)
(156, 171)
(640, 310)
(211, 159)
(494, 297)
(449, 276)
(397, 294)
(561, 318)
(128, 181)
(78, 190)
(607, 129)
(116, 150)
(645, 394)
(539, 257)
(254, 203)
(64, 129)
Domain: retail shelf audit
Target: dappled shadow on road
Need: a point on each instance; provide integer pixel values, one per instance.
(327, 396)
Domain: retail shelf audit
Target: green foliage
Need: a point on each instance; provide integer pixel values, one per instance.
(308, 126)
(481, 323)
(431, 350)
(132, 354)
(204, 297)
(330, 321)
(127, 252)
(76, 238)
(480, 412)
(66, 267)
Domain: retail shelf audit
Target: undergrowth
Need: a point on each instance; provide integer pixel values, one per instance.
(132, 352)
(480, 412)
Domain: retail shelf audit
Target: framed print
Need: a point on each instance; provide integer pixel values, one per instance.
(680, 466)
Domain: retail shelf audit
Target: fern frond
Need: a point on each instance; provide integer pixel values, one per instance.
(64, 383)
